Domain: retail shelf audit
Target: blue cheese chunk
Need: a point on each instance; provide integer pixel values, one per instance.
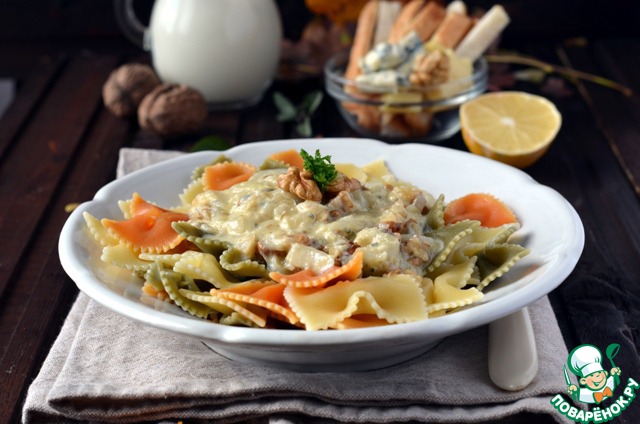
(382, 81)
(383, 56)
(387, 66)
(386, 56)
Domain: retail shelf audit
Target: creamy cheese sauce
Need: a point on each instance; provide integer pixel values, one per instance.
(261, 220)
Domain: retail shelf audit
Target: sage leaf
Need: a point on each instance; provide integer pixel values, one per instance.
(304, 127)
(311, 102)
(286, 109)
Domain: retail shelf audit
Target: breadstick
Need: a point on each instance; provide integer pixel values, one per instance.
(387, 13)
(406, 15)
(367, 116)
(419, 123)
(363, 38)
(457, 6)
(392, 125)
(427, 20)
(452, 29)
(483, 33)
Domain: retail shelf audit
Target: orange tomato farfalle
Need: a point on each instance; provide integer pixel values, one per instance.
(223, 175)
(149, 229)
(290, 157)
(306, 278)
(490, 211)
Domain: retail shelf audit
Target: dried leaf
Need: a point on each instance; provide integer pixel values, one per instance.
(532, 75)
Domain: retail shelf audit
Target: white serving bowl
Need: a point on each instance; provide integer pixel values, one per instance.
(551, 229)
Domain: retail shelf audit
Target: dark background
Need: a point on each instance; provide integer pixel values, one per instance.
(23, 20)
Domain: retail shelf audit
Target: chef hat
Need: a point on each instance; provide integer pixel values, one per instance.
(584, 360)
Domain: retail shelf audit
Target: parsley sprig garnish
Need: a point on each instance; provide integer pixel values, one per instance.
(320, 167)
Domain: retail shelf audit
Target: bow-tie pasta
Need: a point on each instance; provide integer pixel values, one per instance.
(298, 242)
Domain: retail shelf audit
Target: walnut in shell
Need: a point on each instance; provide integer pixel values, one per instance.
(126, 87)
(171, 110)
(300, 183)
(430, 69)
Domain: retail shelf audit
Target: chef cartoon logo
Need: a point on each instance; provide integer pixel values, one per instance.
(597, 382)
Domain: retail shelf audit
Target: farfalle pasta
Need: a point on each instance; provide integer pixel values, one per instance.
(244, 248)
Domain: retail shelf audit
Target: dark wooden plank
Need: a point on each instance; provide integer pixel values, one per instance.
(42, 293)
(582, 168)
(223, 124)
(259, 123)
(32, 88)
(597, 303)
(43, 151)
(620, 58)
(616, 115)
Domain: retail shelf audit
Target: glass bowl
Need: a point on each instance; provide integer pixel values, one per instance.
(412, 114)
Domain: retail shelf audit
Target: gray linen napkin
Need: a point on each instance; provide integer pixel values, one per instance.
(106, 368)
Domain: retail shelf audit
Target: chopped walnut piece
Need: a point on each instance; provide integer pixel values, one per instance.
(430, 69)
(300, 183)
(344, 183)
(341, 204)
(301, 238)
(420, 247)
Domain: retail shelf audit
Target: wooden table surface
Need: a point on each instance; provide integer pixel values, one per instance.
(59, 145)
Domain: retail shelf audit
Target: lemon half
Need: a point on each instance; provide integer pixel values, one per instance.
(512, 127)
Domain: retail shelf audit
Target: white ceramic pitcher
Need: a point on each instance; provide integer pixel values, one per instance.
(226, 49)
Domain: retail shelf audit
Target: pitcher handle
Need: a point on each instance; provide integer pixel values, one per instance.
(128, 22)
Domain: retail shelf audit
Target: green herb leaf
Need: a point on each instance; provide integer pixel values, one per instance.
(286, 109)
(300, 114)
(304, 127)
(210, 142)
(311, 102)
(321, 168)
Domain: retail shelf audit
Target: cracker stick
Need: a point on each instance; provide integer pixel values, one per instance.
(367, 116)
(387, 13)
(419, 123)
(363, 38)
(427, 20)
(402, 23)
(392, 125)
(452, 29)
(457, 6)
(483, 33)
